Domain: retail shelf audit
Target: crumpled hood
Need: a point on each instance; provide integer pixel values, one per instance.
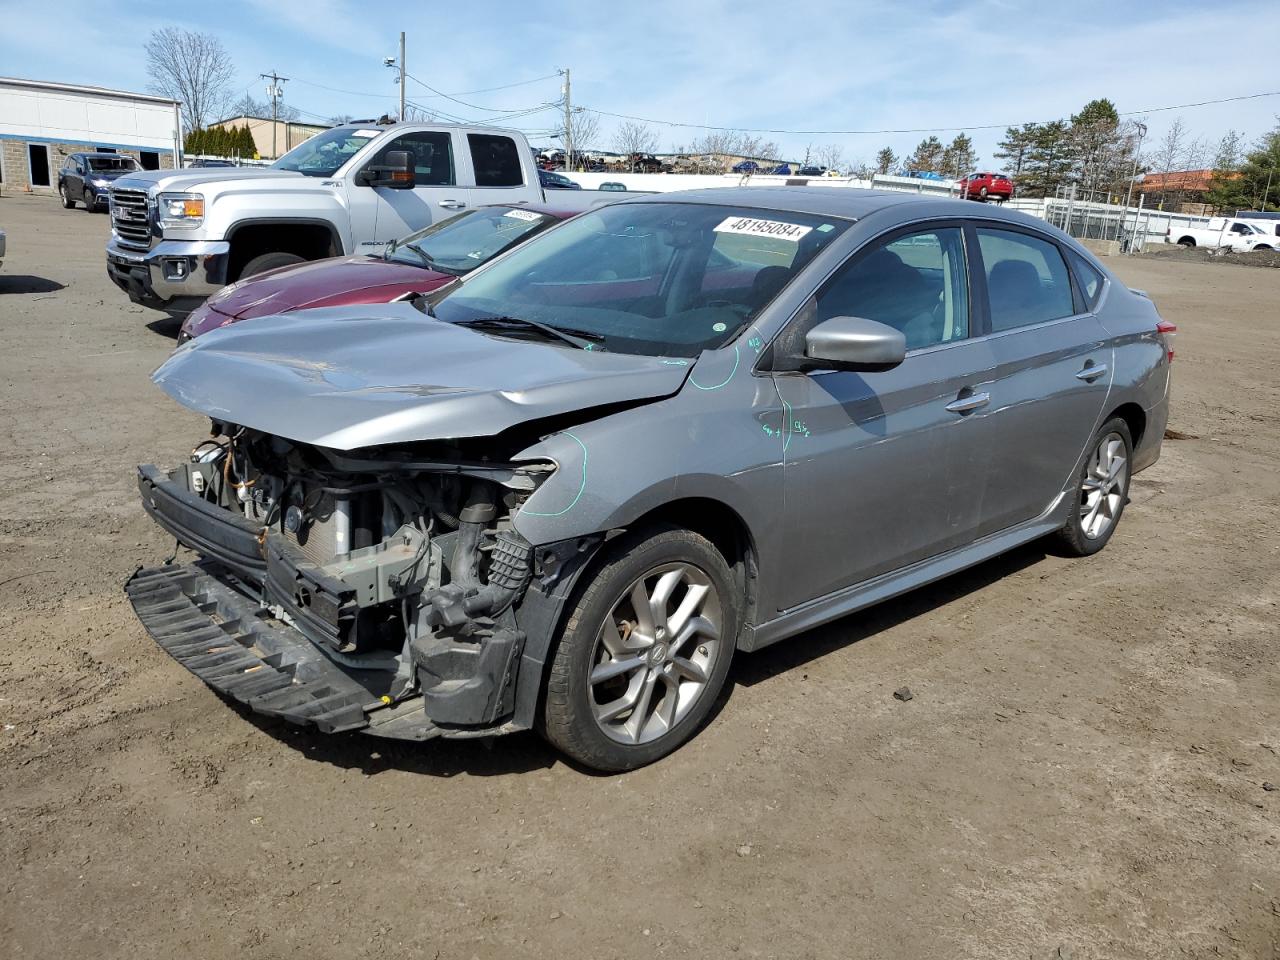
(351, 377)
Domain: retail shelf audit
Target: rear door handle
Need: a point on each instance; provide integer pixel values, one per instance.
(452, 204)
(1092, 372)
(969, 403)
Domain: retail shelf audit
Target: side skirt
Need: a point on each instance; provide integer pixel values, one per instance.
(836, 605)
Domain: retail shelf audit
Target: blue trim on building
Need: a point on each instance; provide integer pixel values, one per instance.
(79, 143)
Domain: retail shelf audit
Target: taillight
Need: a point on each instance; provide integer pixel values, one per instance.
(1167, 330)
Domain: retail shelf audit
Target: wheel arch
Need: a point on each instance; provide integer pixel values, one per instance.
(309, 238)
(1134, 417)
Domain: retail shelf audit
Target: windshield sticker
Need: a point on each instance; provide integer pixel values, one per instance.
(364, 134)
(527, 215)
(752, 227)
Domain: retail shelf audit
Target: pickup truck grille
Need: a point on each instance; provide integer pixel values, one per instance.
(129, 218)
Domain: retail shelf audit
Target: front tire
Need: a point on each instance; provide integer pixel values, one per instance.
(645, 651)
(1102, 490)
(67, 204)
(90, 204)
(269, 261)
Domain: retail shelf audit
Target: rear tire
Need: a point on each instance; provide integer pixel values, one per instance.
(269, 261)
(1187, 242)
(1101, 491)
(645, 651)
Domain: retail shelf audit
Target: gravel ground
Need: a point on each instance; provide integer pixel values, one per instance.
(1080, 773)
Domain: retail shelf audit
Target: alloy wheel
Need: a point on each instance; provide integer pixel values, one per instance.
(1103, 489)
(655, 653)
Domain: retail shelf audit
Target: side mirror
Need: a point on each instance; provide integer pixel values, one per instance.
(855, 343)
(396, 171)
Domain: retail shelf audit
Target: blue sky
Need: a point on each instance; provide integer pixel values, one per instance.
(738, 63)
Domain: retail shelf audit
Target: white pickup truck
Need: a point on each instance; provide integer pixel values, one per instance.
(1233, 233)
(179, 235)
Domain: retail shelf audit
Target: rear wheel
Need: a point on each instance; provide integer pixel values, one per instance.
(1102, 490)
(1187, 242)
(645, 651)
(67, 204)
(269, 261)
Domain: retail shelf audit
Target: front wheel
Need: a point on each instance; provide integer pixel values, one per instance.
(90, 202)
(269, 261)
(67, 204)
(645, 651)
(1102, 490)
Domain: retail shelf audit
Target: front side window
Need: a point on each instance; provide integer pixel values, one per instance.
(637, 277)
(916, 284)
(430, 154)
(1027, 280)
(462, 243)
(496, 160)
(325, 153)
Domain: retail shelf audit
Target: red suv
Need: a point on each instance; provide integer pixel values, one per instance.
(986, 186)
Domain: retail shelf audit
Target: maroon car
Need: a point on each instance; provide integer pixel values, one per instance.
(421, 262)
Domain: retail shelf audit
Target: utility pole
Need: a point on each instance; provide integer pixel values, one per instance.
(275, 92)
(568, 123)
(1137, 156)
(402, 76)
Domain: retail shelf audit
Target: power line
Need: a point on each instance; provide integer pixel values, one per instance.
(505, 86)
(973, 126)
(473, 106)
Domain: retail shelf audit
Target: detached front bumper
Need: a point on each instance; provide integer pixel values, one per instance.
(171, 273)
(222, 636)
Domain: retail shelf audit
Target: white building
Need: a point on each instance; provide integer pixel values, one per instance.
(41, 123)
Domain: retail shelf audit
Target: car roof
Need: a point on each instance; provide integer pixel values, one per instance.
(851, 203)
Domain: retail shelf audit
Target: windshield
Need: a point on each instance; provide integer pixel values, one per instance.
(323, 154)
(461, 244)
(664, 279)
(114, 164)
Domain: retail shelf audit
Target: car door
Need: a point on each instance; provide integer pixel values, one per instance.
(1052, 376)
(875, 464)
(382, 214)
(492, 165)
(73, 185)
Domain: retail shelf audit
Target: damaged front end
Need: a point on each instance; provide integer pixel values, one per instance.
(378, 590)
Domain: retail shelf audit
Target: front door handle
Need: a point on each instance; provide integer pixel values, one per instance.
(970, 403)
(452, 204)
(1092, 372)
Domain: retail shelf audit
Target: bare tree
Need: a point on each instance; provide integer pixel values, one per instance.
(716, 152)
(831, 156)
(338, 119)
(585, 130)
(192, 67)
(633, 137)
(246, 106)
(1171, 150)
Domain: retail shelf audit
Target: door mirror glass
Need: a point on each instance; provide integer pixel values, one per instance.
(395, 171)
(856, 343)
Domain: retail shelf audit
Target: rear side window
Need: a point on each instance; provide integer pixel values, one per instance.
(496, 160)
(1089, 278)
(916, 284)
(431, 155)
(1027, 280)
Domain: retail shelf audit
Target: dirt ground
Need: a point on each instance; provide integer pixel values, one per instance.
(1079, 774)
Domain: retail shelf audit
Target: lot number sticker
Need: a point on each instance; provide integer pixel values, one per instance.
(752, 227)
(526, 215)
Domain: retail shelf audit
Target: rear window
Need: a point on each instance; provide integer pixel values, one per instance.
(1027, 280)
(1089, 278)
(496, 160)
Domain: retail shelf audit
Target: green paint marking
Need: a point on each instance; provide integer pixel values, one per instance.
(736, 360)
(577, 496)
(785, 421)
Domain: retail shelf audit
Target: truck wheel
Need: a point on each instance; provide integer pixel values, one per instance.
(269, 261)
(1187, 242)
(62, 195)
(645, 651)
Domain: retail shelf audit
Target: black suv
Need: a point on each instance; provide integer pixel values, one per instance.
(87, 177)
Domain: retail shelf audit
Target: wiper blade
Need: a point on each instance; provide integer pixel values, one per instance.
(422, 255)
(578, 338)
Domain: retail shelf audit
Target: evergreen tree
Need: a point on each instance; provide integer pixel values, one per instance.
(1015, 146)
(959, 157)
(886, 160)
(927, 156)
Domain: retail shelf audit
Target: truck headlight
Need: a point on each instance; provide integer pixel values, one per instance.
(181, 209)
